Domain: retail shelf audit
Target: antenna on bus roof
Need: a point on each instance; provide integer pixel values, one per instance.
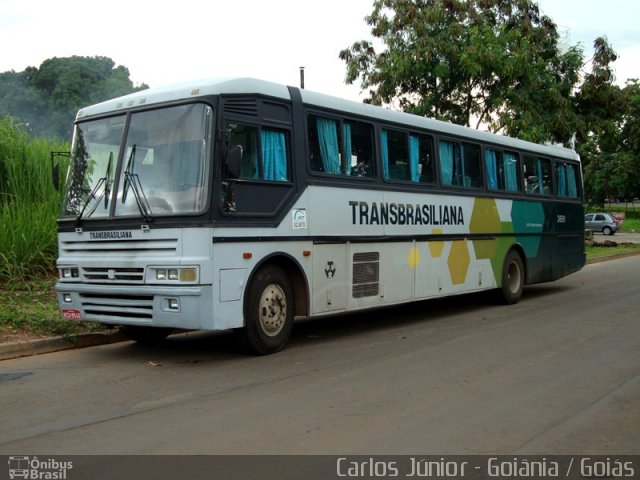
(302, 77)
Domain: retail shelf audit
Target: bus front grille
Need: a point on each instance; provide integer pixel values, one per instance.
(117, 307)
(112, 275)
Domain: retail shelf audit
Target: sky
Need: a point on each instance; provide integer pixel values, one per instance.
(168, 42)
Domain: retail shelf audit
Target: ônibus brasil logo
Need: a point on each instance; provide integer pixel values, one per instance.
(38, 469)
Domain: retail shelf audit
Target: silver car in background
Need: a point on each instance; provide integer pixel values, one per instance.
(601, 222)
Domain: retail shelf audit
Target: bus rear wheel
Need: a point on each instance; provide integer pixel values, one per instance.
(268, 311)
(512, 278)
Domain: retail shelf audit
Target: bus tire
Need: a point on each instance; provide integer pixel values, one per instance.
(146, 335)
(512, 278)
(268, 311)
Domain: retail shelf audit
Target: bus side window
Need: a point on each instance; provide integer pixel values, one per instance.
(537, 176)
(566, 184)
(395, 155)
(472, 173)
(358, 147)
(340, 148)
(460, 164)
(324, 145)
(407, 157)
(502, 170)
(424, 146)
(264, 156)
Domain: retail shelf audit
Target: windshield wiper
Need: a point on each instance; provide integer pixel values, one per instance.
(132, 181)
(105, 193)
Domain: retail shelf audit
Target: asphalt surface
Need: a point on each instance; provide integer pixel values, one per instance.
(557, 373)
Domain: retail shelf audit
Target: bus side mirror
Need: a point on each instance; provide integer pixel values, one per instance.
(55, 167)
(55, 175)
(234, 161)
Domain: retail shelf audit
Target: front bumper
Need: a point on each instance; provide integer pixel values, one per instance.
(175, 306)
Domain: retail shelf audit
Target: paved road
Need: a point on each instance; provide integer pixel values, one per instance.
(557, 373)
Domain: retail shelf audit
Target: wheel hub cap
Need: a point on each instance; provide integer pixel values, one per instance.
(273, 310)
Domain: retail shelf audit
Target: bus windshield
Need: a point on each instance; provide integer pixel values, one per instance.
(157, 165)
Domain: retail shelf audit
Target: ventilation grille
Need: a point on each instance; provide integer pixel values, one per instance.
(241, 107)
(112, 275)
(165, 247)
(366, 274)
(118, 307)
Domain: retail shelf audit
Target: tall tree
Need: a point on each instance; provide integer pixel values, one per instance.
(602, 111)
(47, 98)
(494, 61)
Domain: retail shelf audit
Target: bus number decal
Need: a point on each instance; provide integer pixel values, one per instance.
(299, 216)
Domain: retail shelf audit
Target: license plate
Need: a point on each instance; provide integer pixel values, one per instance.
(71, 314)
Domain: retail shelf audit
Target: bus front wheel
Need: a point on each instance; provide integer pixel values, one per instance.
(512, 278)
(268, 311)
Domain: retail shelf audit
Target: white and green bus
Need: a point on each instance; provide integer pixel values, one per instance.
(243, 204)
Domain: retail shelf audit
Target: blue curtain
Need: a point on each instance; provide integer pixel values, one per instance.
(562, 181)
(510, 164)
(346, 130)
(385, 153)
(492, 171)
(446, 162)
(540, 175)
(414, 157)
(274, 155)
(329, 148)
(572, 190)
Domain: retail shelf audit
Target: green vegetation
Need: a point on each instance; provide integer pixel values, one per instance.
(599, 251)
(500, 64)
(28, 309)
(48, 97)
(29, 203)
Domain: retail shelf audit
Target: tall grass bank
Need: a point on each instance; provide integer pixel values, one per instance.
(29, 203)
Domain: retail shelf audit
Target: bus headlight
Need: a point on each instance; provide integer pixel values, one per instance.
(68, 273)
(174, 274)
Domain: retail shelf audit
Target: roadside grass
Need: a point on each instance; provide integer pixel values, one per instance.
(631, 225)
(28, 309)
(600, 250)
(29, 203)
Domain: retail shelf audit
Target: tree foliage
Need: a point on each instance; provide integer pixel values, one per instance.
(486, 60)
(47, 98)
(501, 63)
(603, 110)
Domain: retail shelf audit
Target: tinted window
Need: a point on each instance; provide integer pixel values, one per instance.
(503, 171)
(537, 176)
(407, 156)
(264, 152)
(460, 164)
(566, 180)
(340, 147)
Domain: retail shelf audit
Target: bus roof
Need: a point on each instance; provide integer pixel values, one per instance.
(230, 86)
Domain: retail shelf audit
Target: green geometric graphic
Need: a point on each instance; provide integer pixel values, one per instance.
(528, 217)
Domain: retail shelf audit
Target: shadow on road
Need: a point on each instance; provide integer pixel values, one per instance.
(193, 348)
